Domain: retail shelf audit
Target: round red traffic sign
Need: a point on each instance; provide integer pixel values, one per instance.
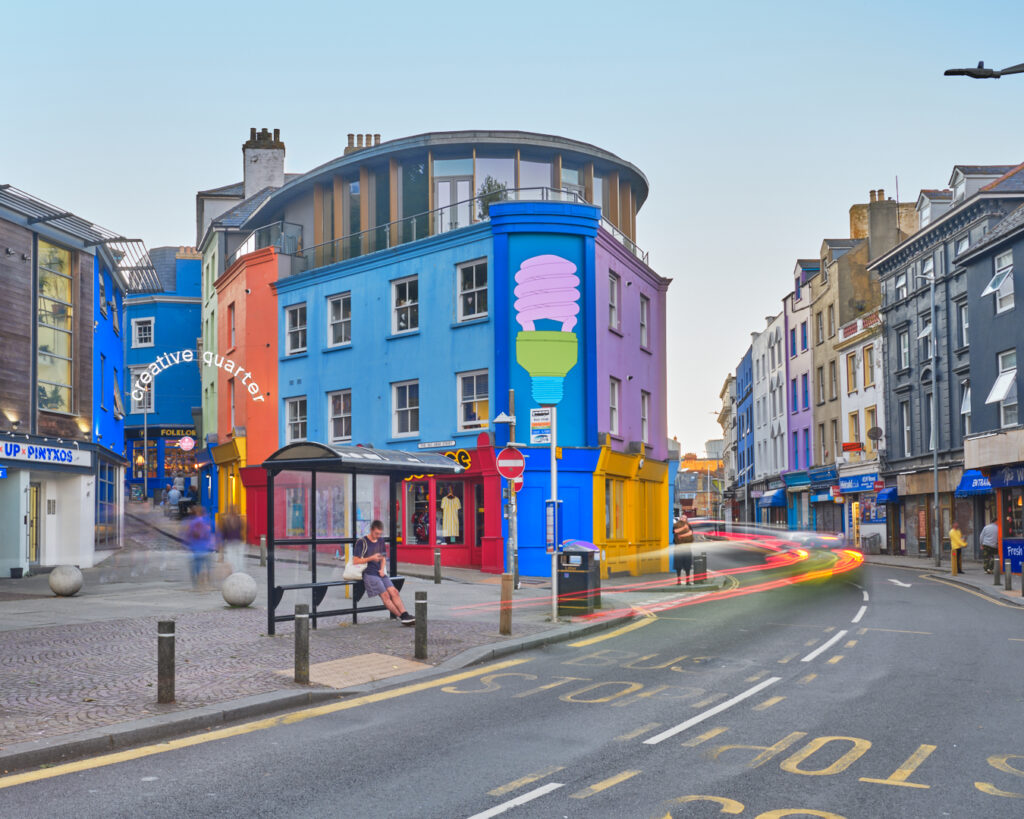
(511, 463)
(517, 483)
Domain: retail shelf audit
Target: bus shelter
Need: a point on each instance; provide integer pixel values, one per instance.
(320, 500)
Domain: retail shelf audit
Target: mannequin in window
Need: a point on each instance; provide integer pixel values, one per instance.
(450, 508)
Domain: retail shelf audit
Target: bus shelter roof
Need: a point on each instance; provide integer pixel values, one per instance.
(312, 456)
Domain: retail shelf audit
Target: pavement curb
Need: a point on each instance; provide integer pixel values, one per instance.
(987, 591)
(145, 731)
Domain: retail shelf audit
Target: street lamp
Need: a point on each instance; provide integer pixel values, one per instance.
(930, 278)
(982, 73)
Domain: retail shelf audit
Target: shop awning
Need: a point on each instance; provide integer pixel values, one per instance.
(774, 498)
(973, 483)
(888, 495)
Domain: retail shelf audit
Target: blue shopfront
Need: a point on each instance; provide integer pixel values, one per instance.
(797, 503)
(826, 508)
(864, 510)
(1008, 483)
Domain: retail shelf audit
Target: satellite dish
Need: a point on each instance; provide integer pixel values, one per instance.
(876, 434)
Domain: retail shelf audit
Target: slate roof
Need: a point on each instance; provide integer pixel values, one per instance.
(163, 259)
(1010, 182)
(237, 189)
(969, 170)
(236, 216)
(1010, 224)
(932, 193)
(808, 264)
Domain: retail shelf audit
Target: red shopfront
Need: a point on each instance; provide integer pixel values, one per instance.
(461, 515)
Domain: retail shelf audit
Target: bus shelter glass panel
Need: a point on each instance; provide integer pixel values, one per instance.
(372, 503)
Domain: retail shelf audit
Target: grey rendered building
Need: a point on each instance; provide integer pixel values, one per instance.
(951, 223)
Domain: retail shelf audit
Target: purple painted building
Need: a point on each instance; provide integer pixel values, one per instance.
(799, 392)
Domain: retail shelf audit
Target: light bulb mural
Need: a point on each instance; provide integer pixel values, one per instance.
(547, 287)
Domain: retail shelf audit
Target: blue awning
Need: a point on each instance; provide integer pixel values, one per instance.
(888, 495)
(776, 498)
(973, 483)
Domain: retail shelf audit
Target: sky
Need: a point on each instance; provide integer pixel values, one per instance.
(757, 124)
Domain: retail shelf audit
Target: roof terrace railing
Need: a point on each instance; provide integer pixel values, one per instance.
(287, 237)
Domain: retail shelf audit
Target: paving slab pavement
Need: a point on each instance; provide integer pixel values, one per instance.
(973, 577)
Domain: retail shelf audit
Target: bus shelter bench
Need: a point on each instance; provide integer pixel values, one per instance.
(319, 590)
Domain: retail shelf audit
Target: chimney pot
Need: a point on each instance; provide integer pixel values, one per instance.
(369, 140)
(351, 140)
(871, 196)
(252, 134)
(376, 139)
(277, 135)
(881, 194)
(359, 140)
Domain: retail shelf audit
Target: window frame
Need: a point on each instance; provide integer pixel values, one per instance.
(868, 363)
(833, 380)
(460, 293)
(341, 416)
(290, 422)
(645, 321)
(408, 408)
(901, 285)
(851, 373)
(903, 349)
(906, 429)
(1005, 404)
(831, 321)
(614, 400)
(477, 425)
(301, 330)
(645, 411)
(409, 305)
(139, 407)
(965, 323)
(149, 321)
(614, 301)
(344, 323)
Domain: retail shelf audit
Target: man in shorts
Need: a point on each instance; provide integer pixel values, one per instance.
(371, 551)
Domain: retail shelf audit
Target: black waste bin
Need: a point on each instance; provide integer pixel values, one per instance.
(579, 578)
(700, 567)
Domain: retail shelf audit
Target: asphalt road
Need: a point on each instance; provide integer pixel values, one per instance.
(874, 694)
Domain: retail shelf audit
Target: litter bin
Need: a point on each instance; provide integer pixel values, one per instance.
(700, 567)
(579, 578)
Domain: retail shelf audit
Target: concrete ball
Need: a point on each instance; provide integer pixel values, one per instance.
(239, 589)
(66, 580)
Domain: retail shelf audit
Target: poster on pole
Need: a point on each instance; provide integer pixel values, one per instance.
(540, 425)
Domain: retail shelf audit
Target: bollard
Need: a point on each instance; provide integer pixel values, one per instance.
(165, 661)
(421, 626)
(997, 565)
(263, 550)
(301, 643)
(437, 565)
(1008, 575)
(505, 617)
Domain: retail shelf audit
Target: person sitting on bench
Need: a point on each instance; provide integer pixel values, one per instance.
(372, 551)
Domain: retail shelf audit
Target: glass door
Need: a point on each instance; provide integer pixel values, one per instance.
(452, 202)
(33, 522)
(478, 498)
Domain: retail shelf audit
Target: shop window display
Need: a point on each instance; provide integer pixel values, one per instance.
(449, 514)
(417, 510)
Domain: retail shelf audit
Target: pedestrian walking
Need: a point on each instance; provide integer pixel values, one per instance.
(990, 545)
(371, 551)
(230, 529)
(199, 539)
(957, 543)
(682, 551)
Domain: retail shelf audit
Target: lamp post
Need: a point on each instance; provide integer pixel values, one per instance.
(982, 73)
(934, 442)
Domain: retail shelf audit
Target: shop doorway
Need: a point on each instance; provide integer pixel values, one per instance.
(34, 494)
(451, 198)
(478, 504)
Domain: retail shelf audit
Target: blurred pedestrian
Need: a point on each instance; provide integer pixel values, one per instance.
(990, 545)
(682, 551)
(199, 539)
(957, 543)
(173, 499)
(230, 528)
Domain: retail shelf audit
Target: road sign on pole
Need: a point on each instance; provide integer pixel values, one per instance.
(511, 464)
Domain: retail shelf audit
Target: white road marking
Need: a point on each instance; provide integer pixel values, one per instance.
(519, 800)
(859, 614)
(718, 709)
(824, 646)
(898, 583)
(866, 598)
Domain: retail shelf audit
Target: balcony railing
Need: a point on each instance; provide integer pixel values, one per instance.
(287, 237)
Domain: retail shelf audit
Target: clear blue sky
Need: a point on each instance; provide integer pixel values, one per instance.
(758, 124)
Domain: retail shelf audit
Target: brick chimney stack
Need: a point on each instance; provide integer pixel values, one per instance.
(263, 161)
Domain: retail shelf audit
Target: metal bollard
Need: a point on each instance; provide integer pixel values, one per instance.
(165, 661)
(437, 565)
(263, 550)
(997, 566)
(1008, 575)
(420, 652)
(505, 616)
(301, 643)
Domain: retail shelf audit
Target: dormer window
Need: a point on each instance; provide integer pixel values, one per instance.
(959, 187)
(924, 213)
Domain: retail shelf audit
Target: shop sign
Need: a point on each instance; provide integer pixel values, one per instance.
(858, 483)
(822, 497)
(1014, 552)
(852, 446)
(540, 425)
(34, 453)
(160, 432)
(186, 443)
(165, 361)
(3, 471)
(878, 486)
(460, 456)
(1007, 476)
(757, 493)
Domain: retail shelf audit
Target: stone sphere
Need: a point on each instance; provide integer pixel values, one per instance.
(66, 580)
(239, 589)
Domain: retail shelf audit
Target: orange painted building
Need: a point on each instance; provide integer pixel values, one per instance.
(246, 364)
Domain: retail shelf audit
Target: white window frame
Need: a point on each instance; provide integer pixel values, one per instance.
(231, 325)
(907, 429)
(344, 323)
(1001, 285)
(965, 406)
(926, 336)
(614, 398)
(965, 324)
(231, 395)
(903, 349)
(474, 291)
(929, 398)
(296, 423)
(645, 410)
(409, 306)
(901, 285)
(295, 335)
(480, 423)
(342, 416)
(1004, 389)
(409, 408)
(138, 323)
(645, 321)
(614, 300)
(144, 406)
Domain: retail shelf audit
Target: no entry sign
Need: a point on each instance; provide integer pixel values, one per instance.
(511, 463)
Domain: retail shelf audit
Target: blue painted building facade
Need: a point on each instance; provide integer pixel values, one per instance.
(745, 435)
(158, 329)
